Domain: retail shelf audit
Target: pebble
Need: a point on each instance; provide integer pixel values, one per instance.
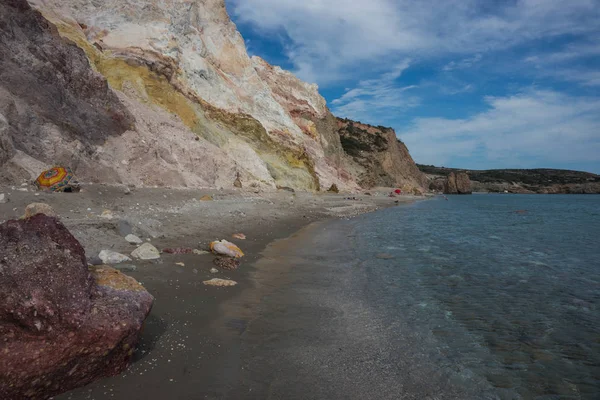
(106, 214)
(132, 239)
(219, 282)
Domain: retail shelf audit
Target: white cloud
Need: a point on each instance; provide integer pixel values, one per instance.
(564, 64)
(331, 39)
(515, 131)
(463, 64)
(372, 98)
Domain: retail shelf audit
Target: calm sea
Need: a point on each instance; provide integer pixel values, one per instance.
(474, 297)
(508, 285)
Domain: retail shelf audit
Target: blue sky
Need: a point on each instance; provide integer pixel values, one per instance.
(465, 83)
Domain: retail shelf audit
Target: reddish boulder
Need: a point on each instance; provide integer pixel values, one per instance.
(62, 325)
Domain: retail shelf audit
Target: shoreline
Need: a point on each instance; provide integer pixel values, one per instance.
(193, 331)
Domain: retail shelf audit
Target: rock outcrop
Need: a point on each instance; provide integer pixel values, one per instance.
(382, 159)
(53, 106)
(62, 325)
(169, 96)
(457, 183)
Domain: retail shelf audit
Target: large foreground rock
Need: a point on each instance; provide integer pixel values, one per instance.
(62, 325)
(458, 183)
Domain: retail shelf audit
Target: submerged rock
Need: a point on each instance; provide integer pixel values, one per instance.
(220, 282)
(112, 257)
(146, 252)
(226, 248)
(63, 325)
(385, 256)
(240, 236)
(227, 263)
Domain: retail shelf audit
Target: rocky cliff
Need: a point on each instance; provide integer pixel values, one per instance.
(382, 159)
(163, 92)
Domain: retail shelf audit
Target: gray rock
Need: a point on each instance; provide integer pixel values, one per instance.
(112, 257)
(124, 228)
(3, 198)
(132, 239)
(94, 260)
(125, 267)
(146, 252)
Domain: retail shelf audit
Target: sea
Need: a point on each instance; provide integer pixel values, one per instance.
(487, 296)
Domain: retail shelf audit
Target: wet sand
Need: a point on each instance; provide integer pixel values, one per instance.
(191, 347)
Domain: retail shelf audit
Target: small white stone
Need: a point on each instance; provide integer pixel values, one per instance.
(132, 239)
(112, 257)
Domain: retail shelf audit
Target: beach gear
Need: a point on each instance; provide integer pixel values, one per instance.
(57, 179)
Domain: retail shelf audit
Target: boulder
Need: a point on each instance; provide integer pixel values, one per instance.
(206, 197)
(219, 282)
(63, 325)
(458, 183)
(39, 208)
(226, 248)
(112, 257)
(3, 198)
(146, 252)
(333, 189)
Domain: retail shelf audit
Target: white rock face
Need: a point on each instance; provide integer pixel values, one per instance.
(198, 49)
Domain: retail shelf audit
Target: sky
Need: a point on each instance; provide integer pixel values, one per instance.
(476, 84)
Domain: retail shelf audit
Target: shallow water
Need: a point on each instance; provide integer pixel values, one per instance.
(471, 300)
(513, 297)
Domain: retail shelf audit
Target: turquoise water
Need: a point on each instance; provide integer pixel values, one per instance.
(505, 287)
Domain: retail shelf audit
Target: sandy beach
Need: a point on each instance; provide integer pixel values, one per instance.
(190, 346)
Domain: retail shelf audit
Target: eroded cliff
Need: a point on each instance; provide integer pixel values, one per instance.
(164, 93)
(383, 160)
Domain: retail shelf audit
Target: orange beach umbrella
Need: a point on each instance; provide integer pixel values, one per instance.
(57, 179)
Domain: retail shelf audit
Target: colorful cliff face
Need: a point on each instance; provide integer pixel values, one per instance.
(190, 107)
